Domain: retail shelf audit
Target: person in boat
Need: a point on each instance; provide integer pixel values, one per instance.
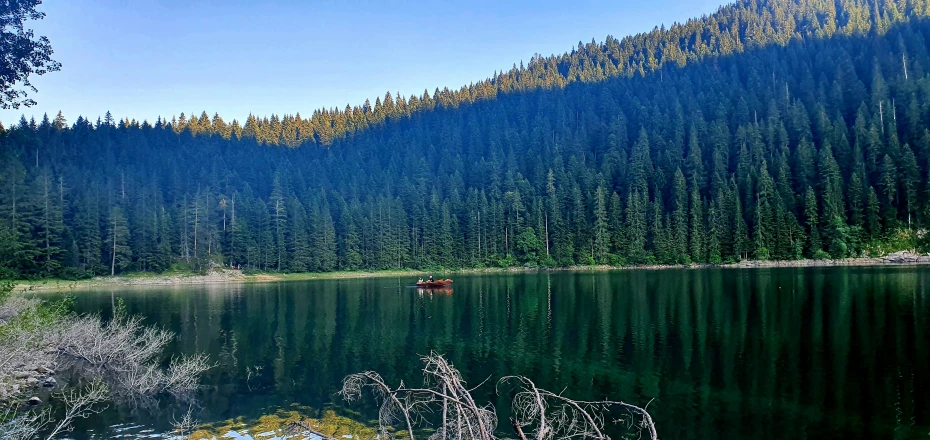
(430, 279)
(420, 281)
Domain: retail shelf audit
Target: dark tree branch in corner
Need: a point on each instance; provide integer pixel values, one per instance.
(24, 54)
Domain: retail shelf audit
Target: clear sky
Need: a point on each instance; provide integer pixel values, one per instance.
(144, 59)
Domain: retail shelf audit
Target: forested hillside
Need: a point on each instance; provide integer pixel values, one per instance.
(767, 130)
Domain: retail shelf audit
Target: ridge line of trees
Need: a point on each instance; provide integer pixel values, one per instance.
(735, 28)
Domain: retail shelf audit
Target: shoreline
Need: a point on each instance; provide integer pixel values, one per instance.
(227, 276)
(222, 276)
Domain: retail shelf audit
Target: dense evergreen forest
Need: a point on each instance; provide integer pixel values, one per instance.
(767, 130)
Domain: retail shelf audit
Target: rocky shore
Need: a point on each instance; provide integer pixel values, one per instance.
(902, 258)
(897, 258)
(25, 379)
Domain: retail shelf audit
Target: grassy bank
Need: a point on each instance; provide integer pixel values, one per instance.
(182, 278)
(235, 276)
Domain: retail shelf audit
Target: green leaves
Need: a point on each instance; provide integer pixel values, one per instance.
(24, 54)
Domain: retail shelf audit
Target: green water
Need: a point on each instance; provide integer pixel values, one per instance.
(726, 354)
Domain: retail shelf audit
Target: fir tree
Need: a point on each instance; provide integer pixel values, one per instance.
(601, 233)
(117, 241)
(810, 214)
(696, 234)
(873, 210)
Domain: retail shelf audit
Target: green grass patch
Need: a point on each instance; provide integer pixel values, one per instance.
(896, 241)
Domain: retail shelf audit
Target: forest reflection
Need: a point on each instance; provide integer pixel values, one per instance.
(769, 353)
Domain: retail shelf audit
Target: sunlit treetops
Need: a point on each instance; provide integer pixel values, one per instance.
(734, 28)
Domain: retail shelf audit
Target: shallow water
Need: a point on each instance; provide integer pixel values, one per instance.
(725, 353)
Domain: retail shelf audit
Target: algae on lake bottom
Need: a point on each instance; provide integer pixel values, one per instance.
(277, 426)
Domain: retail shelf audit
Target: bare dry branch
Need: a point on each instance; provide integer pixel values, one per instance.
(569, 418)
(25, 426)
(80, 405)
(123, 353)
(548, 415)
(120, 344)
(186, 425)
(396, 404)
(127, 353)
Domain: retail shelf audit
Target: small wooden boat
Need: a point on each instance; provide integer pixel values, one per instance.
(435, 284)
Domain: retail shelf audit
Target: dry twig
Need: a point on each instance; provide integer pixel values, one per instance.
(546, 415)
(80, 405)
(186, 425)
(557, 416)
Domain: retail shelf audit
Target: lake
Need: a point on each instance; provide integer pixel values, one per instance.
(725, 353)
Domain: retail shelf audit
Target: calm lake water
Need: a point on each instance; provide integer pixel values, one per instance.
(726, 354)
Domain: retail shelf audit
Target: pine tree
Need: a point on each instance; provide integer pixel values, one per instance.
(87, 229)
(562, 247)
(278, 225)
(697, 228)
(694, 164)
(18, 250)
(679, 224)
(324, 239)
(581, 232)
(118, 241)
(764, 222)
(640, 164)
(835, 234)
(298, 246)
(714, 255)
(659, 234)
(351, 257)
(741, 244)
(615, 225)
(889, 186)
(911, 179)
(636, 228)
(49, 226)
(856, 205)
(873, 210)
(804, 165)
(601, 233)
(163, 242)
(810, 214)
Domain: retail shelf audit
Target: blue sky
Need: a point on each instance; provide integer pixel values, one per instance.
(144, 59)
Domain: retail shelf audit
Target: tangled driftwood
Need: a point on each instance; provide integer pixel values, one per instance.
(537, 413)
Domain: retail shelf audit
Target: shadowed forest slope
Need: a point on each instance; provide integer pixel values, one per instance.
(767, 130)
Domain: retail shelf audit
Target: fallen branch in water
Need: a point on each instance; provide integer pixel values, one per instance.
(80, 405)
(546, 415)
(122, 356)
(127, 354)
(560, 417)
